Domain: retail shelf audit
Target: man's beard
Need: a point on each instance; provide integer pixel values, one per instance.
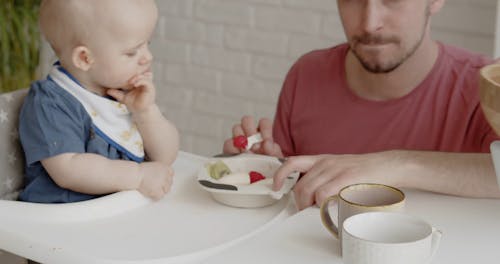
(379, 68)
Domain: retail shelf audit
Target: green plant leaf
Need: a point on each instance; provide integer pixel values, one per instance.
(19, 43)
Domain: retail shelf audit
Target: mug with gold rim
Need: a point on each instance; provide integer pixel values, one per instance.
(360, 198)
(489, 96)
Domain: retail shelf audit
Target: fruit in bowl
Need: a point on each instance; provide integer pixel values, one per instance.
(244, 180)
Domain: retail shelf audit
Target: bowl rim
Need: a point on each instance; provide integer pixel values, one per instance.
(251, 189)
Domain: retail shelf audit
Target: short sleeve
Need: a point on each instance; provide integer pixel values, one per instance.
(51, 122)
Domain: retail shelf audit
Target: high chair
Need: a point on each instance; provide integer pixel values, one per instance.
(186, 225)
(11, 156)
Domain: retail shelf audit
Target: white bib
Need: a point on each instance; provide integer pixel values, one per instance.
(110, 119)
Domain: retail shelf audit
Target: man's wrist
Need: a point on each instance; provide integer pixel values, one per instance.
(410, 165)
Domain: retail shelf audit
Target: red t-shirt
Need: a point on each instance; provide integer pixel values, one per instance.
(317, 113)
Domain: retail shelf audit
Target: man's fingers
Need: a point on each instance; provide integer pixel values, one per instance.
(306, 190)
(299, 163)
(326, 190)
(269, 147)
(303, 201)
(238, 130)
(229, 147)
(247, 128)
(266, 128)
(248, 125)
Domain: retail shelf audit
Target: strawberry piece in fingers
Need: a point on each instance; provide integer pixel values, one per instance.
(240, 142)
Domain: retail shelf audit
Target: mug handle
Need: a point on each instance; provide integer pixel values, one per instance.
(326, 218)
(436, 238)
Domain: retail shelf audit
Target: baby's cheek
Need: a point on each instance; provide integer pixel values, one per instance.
(120, 78)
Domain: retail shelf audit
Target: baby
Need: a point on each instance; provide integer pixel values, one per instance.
(93, 127)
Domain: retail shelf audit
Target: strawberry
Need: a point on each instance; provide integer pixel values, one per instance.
(240, 142)
(255, 177)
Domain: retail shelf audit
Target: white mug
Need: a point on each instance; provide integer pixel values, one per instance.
(388, 238)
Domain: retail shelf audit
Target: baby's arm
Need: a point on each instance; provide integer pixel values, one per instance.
(94, 174)
(160, 137)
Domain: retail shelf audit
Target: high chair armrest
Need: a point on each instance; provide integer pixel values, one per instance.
(11, 156)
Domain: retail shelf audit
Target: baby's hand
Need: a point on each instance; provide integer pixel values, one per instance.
(157, 179)
(140, 97)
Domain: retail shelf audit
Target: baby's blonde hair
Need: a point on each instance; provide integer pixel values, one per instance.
(64, 23)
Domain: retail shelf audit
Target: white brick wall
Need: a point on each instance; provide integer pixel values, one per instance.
(469, 24)
(217, 60)
(228, 58)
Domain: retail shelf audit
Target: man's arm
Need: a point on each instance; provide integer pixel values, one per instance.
(462, 174)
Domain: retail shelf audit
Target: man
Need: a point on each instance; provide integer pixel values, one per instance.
(391, 106)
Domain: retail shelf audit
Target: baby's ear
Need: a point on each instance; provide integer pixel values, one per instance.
(82, 58)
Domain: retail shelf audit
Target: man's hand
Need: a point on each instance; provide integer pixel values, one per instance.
(325, 175)
(247, 128)
(140, 97)
(156, 179)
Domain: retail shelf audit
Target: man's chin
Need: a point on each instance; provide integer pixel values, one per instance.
(377, 65)
(379, 68)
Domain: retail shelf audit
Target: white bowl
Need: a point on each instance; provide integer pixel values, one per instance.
(251, 195)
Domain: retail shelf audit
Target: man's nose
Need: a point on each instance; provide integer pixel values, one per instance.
(372, 16)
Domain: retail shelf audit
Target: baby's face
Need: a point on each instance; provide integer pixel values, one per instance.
(121, 44)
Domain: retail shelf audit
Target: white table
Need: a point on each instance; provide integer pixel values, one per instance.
(188, 226)
(471, 234)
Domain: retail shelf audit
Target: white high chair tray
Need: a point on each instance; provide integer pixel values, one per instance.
(186, 225)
